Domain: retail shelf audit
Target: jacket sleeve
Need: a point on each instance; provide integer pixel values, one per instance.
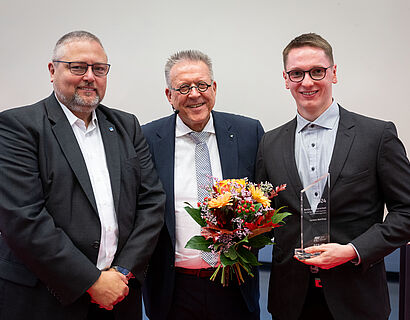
(31, 244)
(149, 211)
(393, 173)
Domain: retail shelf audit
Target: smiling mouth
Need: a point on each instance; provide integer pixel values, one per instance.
(309, 93)
(87, 91)
(193, 106)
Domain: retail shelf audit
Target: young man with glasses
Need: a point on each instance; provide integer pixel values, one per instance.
(178, 284)
(81, 204)
(368, 168)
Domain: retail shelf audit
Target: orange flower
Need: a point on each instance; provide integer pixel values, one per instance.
(257, 195)
(221, 201)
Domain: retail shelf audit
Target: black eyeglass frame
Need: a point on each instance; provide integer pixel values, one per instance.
(310, 74)
(88, 65)
(190, 87)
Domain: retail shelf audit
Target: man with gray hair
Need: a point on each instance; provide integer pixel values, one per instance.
(81, 204)
(177, 285)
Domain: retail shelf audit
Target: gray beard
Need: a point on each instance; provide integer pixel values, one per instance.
(77, 104)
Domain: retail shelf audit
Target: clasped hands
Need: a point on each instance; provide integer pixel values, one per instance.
(109, 289)
(331, 255)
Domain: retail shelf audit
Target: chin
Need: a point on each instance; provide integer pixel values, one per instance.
(86, 101)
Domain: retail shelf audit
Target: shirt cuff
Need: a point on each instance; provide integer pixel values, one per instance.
(357, 260)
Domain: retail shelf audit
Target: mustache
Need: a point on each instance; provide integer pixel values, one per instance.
(87, 84)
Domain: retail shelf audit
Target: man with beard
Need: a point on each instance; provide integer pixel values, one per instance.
(81, 204)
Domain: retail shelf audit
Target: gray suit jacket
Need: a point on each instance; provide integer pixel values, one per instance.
(50, 229)
(368, 169)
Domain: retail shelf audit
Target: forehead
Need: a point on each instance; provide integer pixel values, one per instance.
(307, 57)
(83, 50)
(189, 71)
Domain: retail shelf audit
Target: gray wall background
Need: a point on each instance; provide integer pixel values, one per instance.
(245, 39)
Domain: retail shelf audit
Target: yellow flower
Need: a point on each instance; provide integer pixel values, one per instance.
(221, 201)
(258, 196)
(230, 185)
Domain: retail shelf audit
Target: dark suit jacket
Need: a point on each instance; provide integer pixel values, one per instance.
(238, 139)
(368, 169)
(50, 229)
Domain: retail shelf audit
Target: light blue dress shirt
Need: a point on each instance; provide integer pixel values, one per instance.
(314, 142)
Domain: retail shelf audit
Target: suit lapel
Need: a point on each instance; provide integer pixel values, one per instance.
(288, 147)
(227, 145)
(109, 136)
(164, 151)
(68, 143)
(344, 139)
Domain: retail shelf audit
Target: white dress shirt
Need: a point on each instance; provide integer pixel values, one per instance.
(92, 148)
(185, 187)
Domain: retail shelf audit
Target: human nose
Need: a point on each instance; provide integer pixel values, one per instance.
(307, 80)
(89, 74)
(194, 92)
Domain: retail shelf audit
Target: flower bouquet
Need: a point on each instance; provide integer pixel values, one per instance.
(234, 220)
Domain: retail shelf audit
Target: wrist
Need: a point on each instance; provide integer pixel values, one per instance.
(128, 274)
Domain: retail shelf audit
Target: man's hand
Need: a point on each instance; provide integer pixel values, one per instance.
(331, 255)
(109, 289)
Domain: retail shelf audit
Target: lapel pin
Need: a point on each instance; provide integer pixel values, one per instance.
(111, 129)
(231, 136)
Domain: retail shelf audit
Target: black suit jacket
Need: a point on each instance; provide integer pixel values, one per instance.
(368, 169)
(50, 229)
(238, 139)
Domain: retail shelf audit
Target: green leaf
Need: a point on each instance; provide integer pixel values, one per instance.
(226, 261)
(259, 241)
(257, 206)
(199, 243)
(231, 253)
(247, 256)
(217, 245)
(195, 213)
(279, 216)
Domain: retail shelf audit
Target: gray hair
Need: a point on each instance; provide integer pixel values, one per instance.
(187, 55)
(70, 37)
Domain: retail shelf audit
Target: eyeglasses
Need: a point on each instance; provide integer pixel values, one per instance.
(316, 73)
(80, 68)
(202, 86)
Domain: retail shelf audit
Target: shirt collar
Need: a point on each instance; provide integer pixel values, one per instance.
(182, 129)
(73, 119)
(327, 119)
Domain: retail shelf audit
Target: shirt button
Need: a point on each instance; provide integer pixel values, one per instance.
(313, 145)
(313, 168)
(312, 125)
(96, 244)
(316, 194)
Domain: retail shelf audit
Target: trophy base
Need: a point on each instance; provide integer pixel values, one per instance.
(301, 254)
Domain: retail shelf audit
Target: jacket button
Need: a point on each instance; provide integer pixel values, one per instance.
(96, 244)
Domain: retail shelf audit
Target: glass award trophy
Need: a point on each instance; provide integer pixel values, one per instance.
(314, 217)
